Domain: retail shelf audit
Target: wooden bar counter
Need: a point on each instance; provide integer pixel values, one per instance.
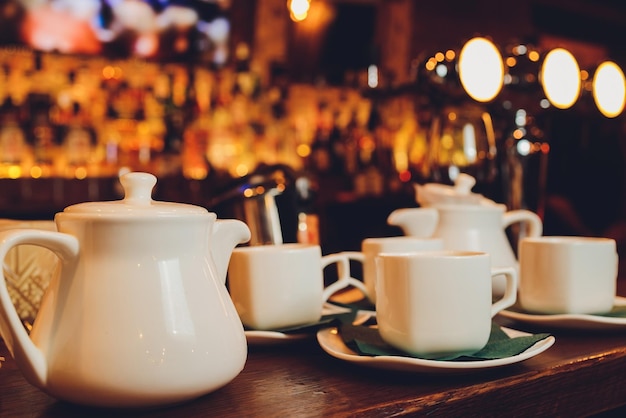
(582, 374)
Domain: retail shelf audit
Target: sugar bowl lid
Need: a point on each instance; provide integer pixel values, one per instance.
(137, 201)
(435, 194)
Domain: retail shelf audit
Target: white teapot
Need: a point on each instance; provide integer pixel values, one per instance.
(466, 221)
(138, 313)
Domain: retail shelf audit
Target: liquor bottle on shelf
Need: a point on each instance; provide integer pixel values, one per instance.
(109, 140)
(14, 149)
(43, 137)
(325, 159)
(308, 219)
(78, 144)
(368, 178)
(195, 144)
(170, 96)
(350, 146)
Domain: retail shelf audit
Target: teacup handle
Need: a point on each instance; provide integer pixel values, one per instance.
(343, 268)
(510, 291)
(360, 257)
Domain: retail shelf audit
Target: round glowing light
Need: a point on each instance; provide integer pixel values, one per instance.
(609, 89)
(481, 69)
(523, 147)
(15, 171)
(303, 150)
(241, 170)
(560, 78)
(298, 9)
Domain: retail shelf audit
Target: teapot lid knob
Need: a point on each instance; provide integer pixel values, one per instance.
(138, 188)
(137, 202)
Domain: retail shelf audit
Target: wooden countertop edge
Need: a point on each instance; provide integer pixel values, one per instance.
(600, 385)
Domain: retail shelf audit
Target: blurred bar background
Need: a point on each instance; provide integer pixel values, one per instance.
(310, 120)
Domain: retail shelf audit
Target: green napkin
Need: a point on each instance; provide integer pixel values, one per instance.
(325, 320)
(368, 342)
(363, 304)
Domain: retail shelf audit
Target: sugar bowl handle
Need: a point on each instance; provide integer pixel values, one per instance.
(535, 225)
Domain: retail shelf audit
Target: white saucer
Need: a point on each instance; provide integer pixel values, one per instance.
(255, 337)
(331, 342)
(258, 337)
(571, 321)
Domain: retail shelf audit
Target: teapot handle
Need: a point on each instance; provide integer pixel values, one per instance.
(535, 225)
(29, 358)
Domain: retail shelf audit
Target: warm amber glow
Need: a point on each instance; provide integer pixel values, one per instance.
(196, 173)
(560, 78)
(80, 173)
(15, 172)
(36, 172)
(319, 15)
(430, 64)
(241, 170)
(609, 89)
(298, 9)
(108, 72)
(303, 150)
(481, 69)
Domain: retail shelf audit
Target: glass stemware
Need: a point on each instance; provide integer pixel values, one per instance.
(462, 139)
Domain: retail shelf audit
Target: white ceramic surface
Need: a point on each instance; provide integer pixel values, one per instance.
(567, 275)
(436, 303)
(259, 338)
(331, 342)
(469, 227)
(582, 322)
(371, 247)
(139, 314)
(276, 286)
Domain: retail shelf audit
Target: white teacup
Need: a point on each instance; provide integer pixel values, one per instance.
(438, 303)
(277, 286)
(567, 275)
(371, 247)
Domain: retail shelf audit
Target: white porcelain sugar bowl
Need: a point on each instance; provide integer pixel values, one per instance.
(138, 314)
(466, 221)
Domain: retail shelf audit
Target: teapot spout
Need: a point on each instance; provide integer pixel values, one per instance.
(415, 222)
(227, 234)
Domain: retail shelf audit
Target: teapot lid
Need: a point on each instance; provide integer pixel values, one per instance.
(434, 194)
(137, 201)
